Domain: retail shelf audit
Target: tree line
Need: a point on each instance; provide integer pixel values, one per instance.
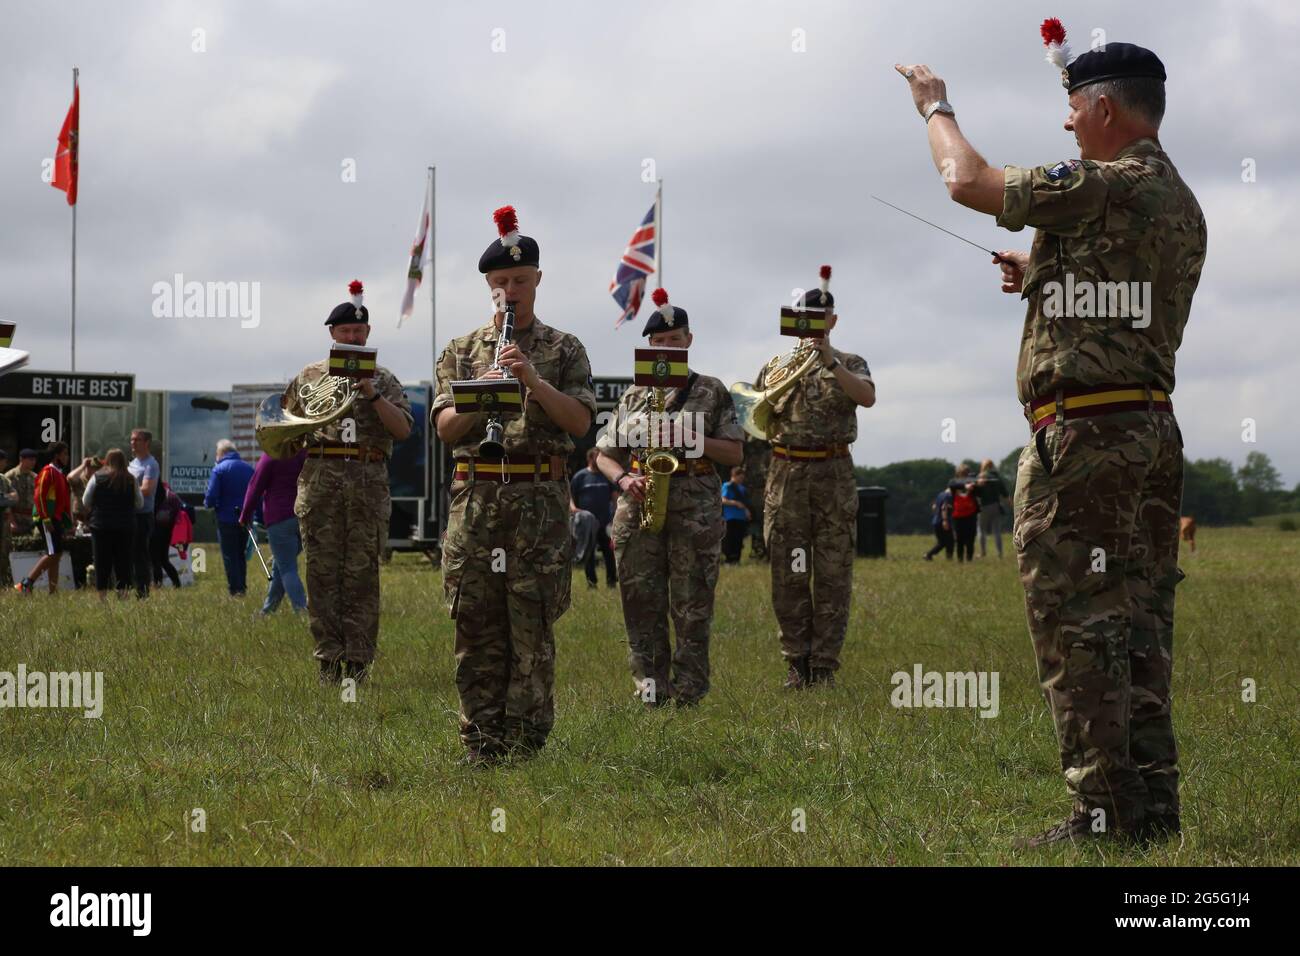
(1214, 491)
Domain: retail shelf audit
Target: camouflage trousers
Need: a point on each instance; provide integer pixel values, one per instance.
(810, 513)
(341, 506)
(1096, 533)
(672, 574)
(506, 575)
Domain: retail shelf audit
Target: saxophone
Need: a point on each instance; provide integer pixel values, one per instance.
(659, 465)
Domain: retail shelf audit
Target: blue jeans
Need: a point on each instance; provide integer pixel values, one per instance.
(233, 537)
(285, 545)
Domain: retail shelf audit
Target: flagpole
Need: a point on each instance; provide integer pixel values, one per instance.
(659, 235)
(76, 440)
(435, 446)
(77, 160)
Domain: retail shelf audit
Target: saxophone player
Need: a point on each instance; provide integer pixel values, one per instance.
(506, 555)
(672, 571)
(810, 502)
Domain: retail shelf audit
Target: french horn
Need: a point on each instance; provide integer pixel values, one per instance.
(754, 406)
(281, 433)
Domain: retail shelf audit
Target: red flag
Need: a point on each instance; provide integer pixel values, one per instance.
(65, 159)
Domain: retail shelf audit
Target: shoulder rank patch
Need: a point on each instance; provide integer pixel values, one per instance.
(1061, 170)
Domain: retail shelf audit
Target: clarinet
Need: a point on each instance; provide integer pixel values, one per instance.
(492, 445)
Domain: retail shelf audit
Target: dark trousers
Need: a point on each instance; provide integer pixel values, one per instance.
(944, 542)
(733, 540)
(605, 548)
(965, 528)
(159, 552)
(113, 551)
(234, 540)
(141, 562)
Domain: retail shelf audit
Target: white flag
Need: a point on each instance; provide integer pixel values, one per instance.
(421, 253)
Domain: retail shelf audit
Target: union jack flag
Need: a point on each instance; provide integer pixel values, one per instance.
(628, 285)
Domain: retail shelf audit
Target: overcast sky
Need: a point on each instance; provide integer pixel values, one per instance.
(227, 165)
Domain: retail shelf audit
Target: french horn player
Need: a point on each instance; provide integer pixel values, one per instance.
(347, 427)
(805, 404)
(662, 449)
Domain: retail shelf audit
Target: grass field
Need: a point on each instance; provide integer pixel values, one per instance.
(208, 706)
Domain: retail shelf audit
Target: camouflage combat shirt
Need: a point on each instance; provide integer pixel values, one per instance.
(25, 484)
(370, 428)
(560, 360)
(816, 411)
(708, 405)
(1132, 220)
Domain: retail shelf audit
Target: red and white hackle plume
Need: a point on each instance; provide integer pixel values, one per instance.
(1058, 50)
(660, 297)
(507, 225)
(825, 273)
(356, 292)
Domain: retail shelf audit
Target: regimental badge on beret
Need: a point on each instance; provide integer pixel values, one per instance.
(354, 310)
(666, 316)
(510, 249)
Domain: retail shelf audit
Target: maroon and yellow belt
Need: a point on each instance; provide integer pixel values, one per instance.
(338, 449)
(696, 466)
(809, 452)
(544, 468)
(1089, 402)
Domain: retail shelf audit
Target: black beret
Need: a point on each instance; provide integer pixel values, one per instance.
(4, 455)
(346, 313)
(523, 252)
(817, 299)
(1114, 61)
(658, 319)
(510, 249)
(27, 453)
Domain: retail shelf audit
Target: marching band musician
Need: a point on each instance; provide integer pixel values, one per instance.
(507, 554)
(343, 500)
(810, 502)
(672, 572)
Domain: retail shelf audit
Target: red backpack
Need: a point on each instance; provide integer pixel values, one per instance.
(963, 504)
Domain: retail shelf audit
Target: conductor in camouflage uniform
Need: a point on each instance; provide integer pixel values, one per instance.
(343, 499)
(1099, 484)
(671, 573)
(507, 554)
(810, 502)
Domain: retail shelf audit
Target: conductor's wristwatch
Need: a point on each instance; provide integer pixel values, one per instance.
(939, 106)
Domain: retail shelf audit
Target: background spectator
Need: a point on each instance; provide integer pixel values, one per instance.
(113, 498)
(144, 469)
(22, 479)
(167, 504)
(227, 486)
(941, 521)
(992, 492)
(53, 517)
(965, 513)
(80, 549)
(736, 512)
(589, 490)
(274, 488)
